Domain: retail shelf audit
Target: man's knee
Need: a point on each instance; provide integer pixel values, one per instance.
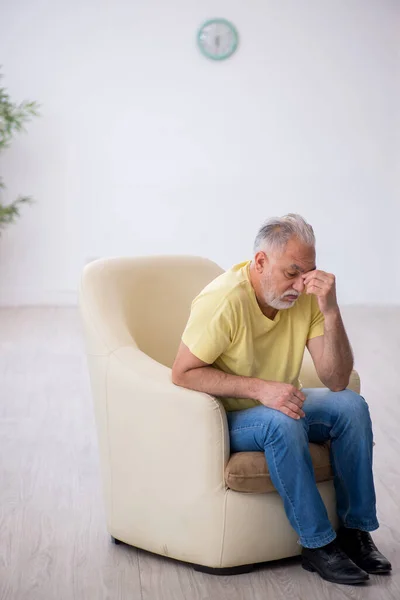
(288, 428)
(352, 406)
(273, 425)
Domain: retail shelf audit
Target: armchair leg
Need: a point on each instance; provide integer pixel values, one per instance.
(225, 571)
(114, 541)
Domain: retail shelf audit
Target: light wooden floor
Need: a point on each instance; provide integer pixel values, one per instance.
(53, 543)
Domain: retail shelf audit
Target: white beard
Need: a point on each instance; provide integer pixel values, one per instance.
(278, 303)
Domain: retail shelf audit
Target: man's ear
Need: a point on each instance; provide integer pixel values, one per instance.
(260, 261)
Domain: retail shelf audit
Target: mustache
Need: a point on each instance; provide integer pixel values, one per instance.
(289, 293)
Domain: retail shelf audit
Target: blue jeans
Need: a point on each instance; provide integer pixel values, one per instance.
(342, 417)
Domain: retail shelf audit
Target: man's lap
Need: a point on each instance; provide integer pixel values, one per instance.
(249, 427)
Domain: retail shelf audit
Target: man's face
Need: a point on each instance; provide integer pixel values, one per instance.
(281, 280)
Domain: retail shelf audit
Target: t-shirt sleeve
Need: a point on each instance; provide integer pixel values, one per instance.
(208, 332)
(317, 320)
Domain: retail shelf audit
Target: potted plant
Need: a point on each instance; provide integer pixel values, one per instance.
(12, 119)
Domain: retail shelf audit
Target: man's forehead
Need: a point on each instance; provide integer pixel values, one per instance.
(298, 257)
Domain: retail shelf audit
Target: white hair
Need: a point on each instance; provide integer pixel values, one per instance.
(276, 232)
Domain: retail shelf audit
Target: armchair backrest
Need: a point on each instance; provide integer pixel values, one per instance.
(143, 301)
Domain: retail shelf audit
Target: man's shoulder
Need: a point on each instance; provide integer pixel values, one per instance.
(229, 288)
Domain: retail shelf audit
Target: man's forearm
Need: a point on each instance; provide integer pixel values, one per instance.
(337, 357)
(217, 383)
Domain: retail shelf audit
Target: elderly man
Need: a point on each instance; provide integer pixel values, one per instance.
(244, 343)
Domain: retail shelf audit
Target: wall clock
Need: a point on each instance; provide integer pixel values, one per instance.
(217, 39)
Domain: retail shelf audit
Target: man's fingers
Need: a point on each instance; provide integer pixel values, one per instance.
(317, 283)
(298, 394)
(307, 279)
(290, 413)
(295, 400)
(313, 289)
(296, 409)
(318, 275)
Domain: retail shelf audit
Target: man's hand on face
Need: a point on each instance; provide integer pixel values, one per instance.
(323, 285)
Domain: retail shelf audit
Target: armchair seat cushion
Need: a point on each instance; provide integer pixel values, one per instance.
(248, 471)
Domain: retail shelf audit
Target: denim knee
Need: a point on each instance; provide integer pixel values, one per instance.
(352, 408)
(352, 403)
(287, 428)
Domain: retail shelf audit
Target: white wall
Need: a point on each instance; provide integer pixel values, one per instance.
(145, 146)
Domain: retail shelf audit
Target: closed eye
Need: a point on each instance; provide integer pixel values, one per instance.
(291, 274)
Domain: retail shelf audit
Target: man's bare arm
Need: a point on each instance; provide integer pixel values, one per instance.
(190, 372)
(332, 354)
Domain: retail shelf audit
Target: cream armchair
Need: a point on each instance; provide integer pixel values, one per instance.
(164, 451)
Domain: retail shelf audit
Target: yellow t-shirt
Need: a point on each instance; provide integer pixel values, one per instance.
(227, 329)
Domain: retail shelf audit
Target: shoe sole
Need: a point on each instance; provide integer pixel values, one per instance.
(385, 572)
(307, 566)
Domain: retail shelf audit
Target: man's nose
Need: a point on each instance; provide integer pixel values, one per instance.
(298, 285)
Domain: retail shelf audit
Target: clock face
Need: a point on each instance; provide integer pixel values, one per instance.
(217, 39)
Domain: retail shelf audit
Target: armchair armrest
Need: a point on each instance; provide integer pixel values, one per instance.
(164, 423)
(163, 449)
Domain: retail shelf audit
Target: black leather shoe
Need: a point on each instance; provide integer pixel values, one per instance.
(333, 564)
(360, 547)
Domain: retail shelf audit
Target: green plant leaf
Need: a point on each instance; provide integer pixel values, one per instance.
(13, 117)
